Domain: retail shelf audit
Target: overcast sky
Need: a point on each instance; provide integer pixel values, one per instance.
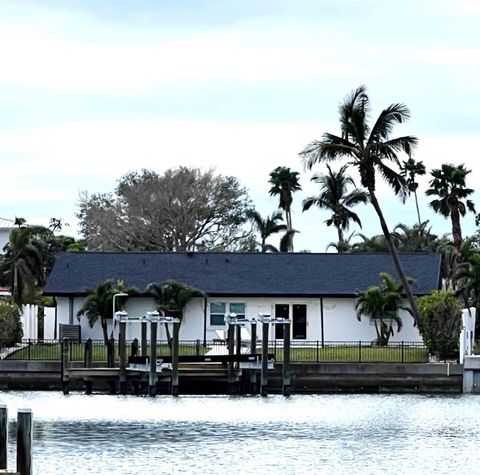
(90, 90)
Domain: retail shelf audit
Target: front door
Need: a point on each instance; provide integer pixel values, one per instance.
(299, 322)
(281, 311)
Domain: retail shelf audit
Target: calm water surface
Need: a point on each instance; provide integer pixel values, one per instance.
(332, 434)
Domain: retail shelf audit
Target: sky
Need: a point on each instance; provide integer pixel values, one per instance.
(92, 90)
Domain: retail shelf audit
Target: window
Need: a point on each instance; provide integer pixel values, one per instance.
(218, 310)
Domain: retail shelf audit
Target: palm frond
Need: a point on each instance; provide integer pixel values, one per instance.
(388, 118)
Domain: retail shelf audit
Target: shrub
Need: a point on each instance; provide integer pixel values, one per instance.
(10, 325)
(440, 323)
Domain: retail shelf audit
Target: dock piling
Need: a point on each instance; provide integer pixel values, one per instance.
(286, 359)
(65, 365)
(253, 351)
(88, 364)
(231, 348)
(152, 378)
(24, 441)
(144, 339)
(264, 369)
(176, 331)
(3, 436)
(122, 347)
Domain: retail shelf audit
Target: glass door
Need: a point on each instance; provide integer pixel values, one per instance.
(281, 311)
(299, 322)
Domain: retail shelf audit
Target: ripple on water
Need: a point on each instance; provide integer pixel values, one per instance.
(216, 434)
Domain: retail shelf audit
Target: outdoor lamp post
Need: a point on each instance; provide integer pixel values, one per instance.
(120, 294)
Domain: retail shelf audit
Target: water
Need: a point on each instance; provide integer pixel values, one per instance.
(331, 434)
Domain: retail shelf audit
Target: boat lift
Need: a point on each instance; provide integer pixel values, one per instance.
(234, 324)
(154, 364)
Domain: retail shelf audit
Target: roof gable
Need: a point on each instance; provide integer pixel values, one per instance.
(252, 274)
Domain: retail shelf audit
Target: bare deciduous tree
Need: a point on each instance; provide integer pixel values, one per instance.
(184, 209)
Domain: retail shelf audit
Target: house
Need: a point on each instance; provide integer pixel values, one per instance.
(316, 291)
(6, 226)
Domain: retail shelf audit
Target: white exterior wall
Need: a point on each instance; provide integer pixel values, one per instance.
(339, 319)
(341, 323)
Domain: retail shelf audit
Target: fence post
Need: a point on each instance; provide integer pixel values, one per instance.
(317, 351)
(197, 347)
(29, 345)
(24, 442)
(3, 436)
(360, 351)
(402, 353)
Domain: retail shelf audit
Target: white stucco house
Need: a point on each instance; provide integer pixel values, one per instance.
(317, 292)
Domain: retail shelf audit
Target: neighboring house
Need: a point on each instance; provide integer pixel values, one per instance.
(6, 226)
(316, 291)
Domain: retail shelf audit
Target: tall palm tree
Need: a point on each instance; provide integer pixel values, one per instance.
(171, 298)
(381, 304)
(370, 150)
(410, 170)
(267, 227)
(22, 266)
(449, 184)
(284, 183)
(335, 197)
(99, 303)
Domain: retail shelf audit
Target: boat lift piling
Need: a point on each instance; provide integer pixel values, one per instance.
(268, 320)
(154, 318)
(234, 325)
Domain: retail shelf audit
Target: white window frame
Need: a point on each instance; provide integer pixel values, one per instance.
(228, 304)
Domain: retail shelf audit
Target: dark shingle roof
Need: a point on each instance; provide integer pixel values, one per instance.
(249, 274)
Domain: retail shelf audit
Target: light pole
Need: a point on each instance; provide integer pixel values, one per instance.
(120, 294)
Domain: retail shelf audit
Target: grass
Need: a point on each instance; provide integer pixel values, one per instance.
(302, 354)
(354, 354)
(53, 352)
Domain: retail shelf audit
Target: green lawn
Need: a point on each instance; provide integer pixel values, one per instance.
(354, 354)
(304, 354)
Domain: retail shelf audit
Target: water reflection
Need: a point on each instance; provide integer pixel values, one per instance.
(304, 434)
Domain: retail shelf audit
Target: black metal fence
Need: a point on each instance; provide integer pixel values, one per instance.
(300, 351)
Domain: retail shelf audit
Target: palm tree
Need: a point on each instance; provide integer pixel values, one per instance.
(376, 243)
(267, 227)
(468, 280)
(334, 197)
(417, 238)
(381, 304)
(284, 183)
(22, 266)
(345, 245)
(449, 184)
(171, 298)
(410, 170)
(370, 150)
(99, 303)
